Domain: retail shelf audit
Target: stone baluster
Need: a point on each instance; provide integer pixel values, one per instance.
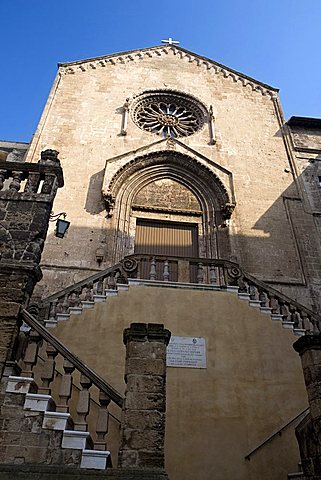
(99, 286)
(105, 283)
(111, 281)
(295, 317)
(31, 354)
(65, 304)
(254, 293)
(72, 299)
(48, 370)
(53, 310)
(82, 295)
(102, 422)
(65, 387)
(307, 325)
(284, 311)
(2, 178)
(213, 275)
(33, 182)
(59, 305)
(200, 273)
(49, 183)
(263, 298)
(89, 297)
(274, 305)
(166, 271)
(83, 404)
(16, 181)
(78, 299)
(152, 272)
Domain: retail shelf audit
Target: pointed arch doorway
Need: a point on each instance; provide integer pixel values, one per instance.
(164, 189)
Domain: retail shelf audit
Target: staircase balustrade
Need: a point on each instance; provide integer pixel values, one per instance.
(29, 177)
(199, 271)
(75, 372)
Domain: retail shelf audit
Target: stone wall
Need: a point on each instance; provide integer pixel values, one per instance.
(83, 119)
(36, 472)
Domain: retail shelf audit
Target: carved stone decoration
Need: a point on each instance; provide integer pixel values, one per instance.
(234, 272)
(184, 166)
(123, 130)
(148, 53)
(109, 203)
(168, 113)
(170, 144)
(211, 126)
(227, 210)
(130, 265)
(49, 157)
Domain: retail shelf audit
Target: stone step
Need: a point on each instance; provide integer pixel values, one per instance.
(38, 402)
(75, 439)
(96, 459)
(55, 420)
(59, 421)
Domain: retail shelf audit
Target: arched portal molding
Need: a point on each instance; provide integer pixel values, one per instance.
(207, 188)
(187, 170)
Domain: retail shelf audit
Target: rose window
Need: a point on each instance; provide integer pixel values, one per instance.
(168, 115)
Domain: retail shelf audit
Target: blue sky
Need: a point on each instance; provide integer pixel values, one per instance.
(274, 41)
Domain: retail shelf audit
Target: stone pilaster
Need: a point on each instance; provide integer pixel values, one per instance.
(143, 419)
(308, 432)
(24, 218)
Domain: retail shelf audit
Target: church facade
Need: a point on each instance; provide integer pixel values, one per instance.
(229, 166)
(178, 162)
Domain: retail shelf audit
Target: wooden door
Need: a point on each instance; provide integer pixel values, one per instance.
(157, 237)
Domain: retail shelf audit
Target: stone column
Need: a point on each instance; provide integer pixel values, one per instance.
(143, 418)
(308, 432)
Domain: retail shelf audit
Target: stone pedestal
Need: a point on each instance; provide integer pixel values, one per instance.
(308, 432)
(143, 419)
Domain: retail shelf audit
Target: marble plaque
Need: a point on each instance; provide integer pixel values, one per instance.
(188, 352)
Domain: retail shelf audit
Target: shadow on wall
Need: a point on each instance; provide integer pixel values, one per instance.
(94, 200)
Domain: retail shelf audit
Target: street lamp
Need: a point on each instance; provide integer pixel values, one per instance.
(62, 225)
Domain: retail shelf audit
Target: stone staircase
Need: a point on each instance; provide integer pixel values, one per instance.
(253, 301)
(27, 400)
(47, 428)
(212, 274)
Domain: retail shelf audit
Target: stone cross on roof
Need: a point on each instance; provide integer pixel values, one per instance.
(170, 41)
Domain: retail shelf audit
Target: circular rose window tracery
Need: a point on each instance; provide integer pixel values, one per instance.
(168, 114)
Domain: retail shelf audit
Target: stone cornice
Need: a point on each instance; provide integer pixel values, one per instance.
(149, 332)
(162, 50)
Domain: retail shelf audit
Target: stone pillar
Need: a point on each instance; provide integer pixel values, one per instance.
(308, 432)
(25, 208)
(143, 418)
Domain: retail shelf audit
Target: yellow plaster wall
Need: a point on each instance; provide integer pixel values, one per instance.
(252, 386)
